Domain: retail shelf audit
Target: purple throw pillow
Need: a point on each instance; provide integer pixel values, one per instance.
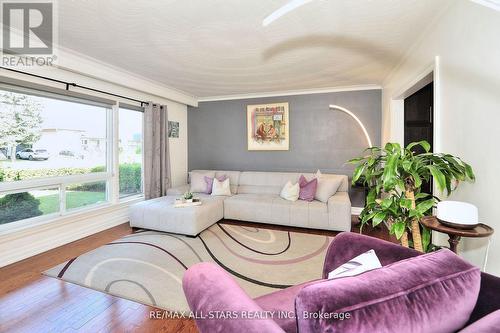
(307, 188)
(210, 183)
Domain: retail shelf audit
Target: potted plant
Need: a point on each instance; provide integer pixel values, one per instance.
(394, 176)
(188, 197)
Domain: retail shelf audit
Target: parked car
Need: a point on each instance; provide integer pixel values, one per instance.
(70, 153)
(33, 154)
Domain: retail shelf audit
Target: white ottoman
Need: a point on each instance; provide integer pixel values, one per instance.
(160, 214)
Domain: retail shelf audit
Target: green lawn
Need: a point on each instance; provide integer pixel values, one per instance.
(50, 203)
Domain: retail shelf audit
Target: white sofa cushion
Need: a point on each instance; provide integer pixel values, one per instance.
(271, 208)
(290, 192)
(160, 214)
(221, 187)
(198, 184)
(327, 187)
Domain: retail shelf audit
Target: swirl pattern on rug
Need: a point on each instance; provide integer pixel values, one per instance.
(148, 266)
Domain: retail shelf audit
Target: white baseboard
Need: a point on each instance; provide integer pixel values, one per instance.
(27, 243)
(356, 210)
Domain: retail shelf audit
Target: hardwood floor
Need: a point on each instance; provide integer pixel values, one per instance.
(31, 302)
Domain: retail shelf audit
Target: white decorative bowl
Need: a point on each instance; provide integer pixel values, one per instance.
(457, 214)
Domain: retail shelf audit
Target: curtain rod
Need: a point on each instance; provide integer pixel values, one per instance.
(72, 84)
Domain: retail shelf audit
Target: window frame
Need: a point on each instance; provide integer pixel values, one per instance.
(134, 108)
(110, 176)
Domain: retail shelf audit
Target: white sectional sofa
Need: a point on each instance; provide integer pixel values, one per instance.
(256, 199)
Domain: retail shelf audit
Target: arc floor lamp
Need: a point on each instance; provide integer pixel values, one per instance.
(339, 108)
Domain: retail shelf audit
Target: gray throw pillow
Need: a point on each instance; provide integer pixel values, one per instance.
(326, 187)
(198, 184)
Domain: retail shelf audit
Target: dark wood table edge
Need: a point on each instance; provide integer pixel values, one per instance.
(455, 234)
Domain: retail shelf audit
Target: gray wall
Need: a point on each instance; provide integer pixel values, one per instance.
(320, 138)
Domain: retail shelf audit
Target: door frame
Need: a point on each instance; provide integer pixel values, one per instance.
(430, 74)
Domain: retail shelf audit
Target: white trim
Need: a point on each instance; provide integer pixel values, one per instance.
(47, 224)
(32, 222)
(437, 126)
(406, 89)
(114, 186)
(416, 83)
(356, 210)
(29, 184)
(290, 92)
(34, 240)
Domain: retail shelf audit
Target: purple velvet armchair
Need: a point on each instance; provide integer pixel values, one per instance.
(412, 292)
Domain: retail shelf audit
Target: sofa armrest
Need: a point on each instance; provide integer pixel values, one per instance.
(339, 211)
(487, 324)
(178, 190)
(224, 307)
(488, 300)
(348, 245)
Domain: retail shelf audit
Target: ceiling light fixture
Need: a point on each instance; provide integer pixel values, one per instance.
(493, 4)
(294, 4)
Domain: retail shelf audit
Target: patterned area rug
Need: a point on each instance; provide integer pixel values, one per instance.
(148, 266)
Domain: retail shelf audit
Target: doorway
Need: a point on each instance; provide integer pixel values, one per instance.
(418, 121)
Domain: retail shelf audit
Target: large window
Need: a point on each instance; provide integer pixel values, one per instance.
(58, 153)
(46, 137)
(130, 151)
(55, 154)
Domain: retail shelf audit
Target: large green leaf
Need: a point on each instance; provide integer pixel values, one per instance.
(357, 173)
(424, 206)
(417, 179)
(405, 203)
(438, 177)
(424, 144)
(386, 203)
(398, 229)
(469, 172)
(368, 217)
(389, 175)
(379, 217)
(406, 164)
(426, 238)
(372, 195)
(421, 196)
(355, 160)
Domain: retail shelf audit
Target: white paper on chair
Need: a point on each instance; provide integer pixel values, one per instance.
(363, 263)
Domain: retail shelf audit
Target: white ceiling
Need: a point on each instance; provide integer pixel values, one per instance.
(219, 47)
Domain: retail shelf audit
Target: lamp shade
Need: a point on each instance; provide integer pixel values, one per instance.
(457, 214)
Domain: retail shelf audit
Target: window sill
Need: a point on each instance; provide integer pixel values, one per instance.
(51, 220)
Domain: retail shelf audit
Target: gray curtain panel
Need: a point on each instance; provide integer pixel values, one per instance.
(156, 151)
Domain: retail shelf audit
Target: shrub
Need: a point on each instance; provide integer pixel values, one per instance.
(18, 206)
(99, 186)
(130, 178)
(11, 174)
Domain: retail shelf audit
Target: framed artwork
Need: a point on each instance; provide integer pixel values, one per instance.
(268, 127)
(173, 129)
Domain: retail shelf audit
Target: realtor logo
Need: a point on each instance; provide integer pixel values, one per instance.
(28, 28)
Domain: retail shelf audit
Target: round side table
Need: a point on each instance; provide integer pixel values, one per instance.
(455, 234)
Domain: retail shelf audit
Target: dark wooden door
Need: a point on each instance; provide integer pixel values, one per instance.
(418, 120)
